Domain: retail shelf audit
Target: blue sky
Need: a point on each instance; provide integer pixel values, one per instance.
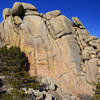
(88, 11)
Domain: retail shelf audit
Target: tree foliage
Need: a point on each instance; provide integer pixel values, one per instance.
(13, 59)
(14, 95)
(14, 66)
(96, 95)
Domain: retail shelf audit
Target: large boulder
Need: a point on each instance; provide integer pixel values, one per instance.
(56, 48)
(17, 9)
(86, 52)
(53, 14)
(38, 95)
(60, 26)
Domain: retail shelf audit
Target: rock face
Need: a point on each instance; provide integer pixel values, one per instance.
(55, 46)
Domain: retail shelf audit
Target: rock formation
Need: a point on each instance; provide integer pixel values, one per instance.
(55, 46)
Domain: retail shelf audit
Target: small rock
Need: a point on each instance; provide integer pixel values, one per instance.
(93, 44)
(38, 94)
(98, 55)
(39, 97)
(17, 20)
(82, 27)
(83, 67)
(98, 62)
(44, 92)
(6, 13)
(78, 21)
(73, 98)
(58, 91)
(93, 54)
(41, 14)
(91, 38)
(85, 52)
(49, 84)
(48, 97)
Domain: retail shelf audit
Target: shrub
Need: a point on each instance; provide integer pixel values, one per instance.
(14, 95)
(31, 82)
(13, 60)
(96, 95)
(14, 66)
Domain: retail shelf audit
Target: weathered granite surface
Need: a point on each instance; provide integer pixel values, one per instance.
(56, 47)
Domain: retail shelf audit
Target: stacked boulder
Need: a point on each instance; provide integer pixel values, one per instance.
(48, 91)
(55, 46)
(20, 9)
(90, 49)
(58, 24)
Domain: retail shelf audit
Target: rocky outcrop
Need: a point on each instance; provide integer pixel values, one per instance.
(55, 46)
(48, 91)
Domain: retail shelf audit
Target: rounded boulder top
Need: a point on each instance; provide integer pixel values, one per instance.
(17, 8)
(20, 7)
(28, 6)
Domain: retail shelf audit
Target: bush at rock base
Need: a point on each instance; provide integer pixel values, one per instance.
(14, 66)
(96, 95)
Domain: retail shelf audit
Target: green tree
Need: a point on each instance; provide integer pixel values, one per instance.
(96, 95)
(15, 66)
(13, 59)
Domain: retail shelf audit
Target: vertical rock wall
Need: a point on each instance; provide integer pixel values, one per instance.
(56, 47)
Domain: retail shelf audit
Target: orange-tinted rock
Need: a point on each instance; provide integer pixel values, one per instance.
(53, 47)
